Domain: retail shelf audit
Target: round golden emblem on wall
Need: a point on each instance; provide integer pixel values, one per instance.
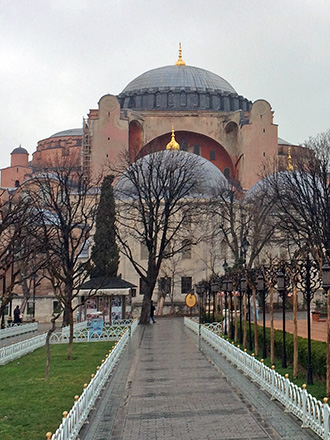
(191, 300)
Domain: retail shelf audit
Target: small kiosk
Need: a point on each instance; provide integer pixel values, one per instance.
(107, 298)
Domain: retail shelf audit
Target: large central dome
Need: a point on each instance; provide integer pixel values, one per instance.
(183, 77)
(181, 87)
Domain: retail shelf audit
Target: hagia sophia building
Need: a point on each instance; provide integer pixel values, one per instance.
(235, 136)
(210, 118)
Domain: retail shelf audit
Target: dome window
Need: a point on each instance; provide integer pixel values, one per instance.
(212, 155)
(158, 99)
(183, 99)
(226, 173)
(16, 183)
(170, 99)
(197, 150)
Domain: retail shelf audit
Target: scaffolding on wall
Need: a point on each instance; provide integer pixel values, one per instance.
(86, 148)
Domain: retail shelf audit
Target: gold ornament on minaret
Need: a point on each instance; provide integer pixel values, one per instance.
(173, 145)
(180, 61)
(290, 166)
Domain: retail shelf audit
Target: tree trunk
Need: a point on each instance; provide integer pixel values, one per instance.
(256, 345)
(271, 309)
(295, 332)
(145, 312)
(71, 335)
(66, 315)
(49, 333)
(26, 293)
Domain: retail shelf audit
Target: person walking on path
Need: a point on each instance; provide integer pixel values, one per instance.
(17, 316)
(152, 312)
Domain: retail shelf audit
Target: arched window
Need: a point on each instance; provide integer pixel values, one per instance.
(16, 183)
(197, 150)
(212, 155)
(183, 99)
(226, 172)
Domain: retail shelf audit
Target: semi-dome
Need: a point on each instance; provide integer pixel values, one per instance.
(71, 132)
(181, 87)
(19, 150)
(208, 179)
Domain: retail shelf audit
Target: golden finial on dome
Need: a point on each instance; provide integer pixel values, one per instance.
(180, 61)
(173, 145)
(290, 166)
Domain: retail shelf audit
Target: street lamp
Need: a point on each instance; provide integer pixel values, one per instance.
(262, 292)
(242, 290)
(282, 292)
(200, 293)
(247, 291)
(214, 289)
(230, 292)
(225, 291)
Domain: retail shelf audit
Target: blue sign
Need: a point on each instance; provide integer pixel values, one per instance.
(96, 327)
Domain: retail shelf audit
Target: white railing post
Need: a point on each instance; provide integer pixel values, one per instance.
(304, 406)
(325, 414)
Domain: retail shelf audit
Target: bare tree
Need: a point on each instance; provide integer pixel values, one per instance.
(244, 223)
(65, 202)
(156, 198)
(16, 226)
(302, 205)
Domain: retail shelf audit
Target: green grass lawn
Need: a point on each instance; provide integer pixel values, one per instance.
(30, 406)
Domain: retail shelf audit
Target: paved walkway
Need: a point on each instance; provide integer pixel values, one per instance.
(168, 387)
(318, 328)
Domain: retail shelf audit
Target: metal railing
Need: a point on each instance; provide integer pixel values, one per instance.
(18, 329)
(73, 421)
(313, 413)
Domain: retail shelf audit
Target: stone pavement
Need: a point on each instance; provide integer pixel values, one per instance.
(168, 386)
(318, 328)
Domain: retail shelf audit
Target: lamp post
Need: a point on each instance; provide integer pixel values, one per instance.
(262, 292)
(230, 292)
(200, 293)
(225, 291)
(247, 291)
(214, 290)
(242, 289)
(308, 280)
(282, 292)
(326, 287)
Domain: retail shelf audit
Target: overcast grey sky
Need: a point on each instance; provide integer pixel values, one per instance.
(58, 57)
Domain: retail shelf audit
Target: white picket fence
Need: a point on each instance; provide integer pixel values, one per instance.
(16, 330)
(73, 420)
(77, 327)
(313, 413)
(15, 351)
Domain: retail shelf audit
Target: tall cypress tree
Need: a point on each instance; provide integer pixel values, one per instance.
(105, 252)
